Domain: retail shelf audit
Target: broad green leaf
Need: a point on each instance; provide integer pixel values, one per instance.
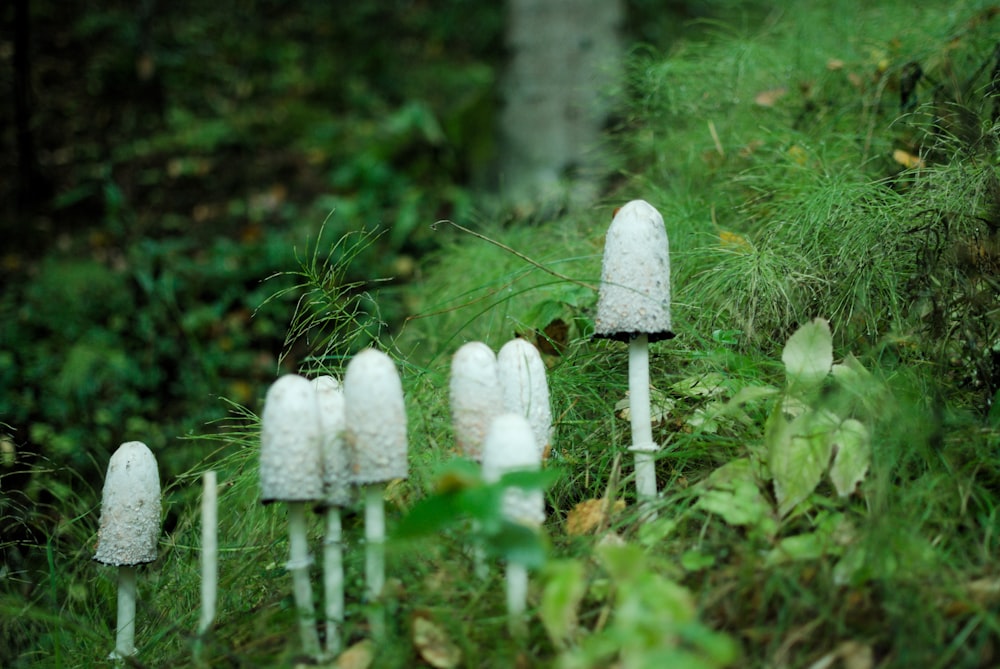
(808, 355)
(798, 456)
(701, 385)
(731, 492)
(853, 456)
(741, 504)
(564, 588)
(695, 560)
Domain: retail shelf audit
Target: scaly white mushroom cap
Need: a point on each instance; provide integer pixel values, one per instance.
(634, 296)
(336, 464)
(375, 418)
(475, 396)
(526, 388)
(291, 446)
(130, 507)
(510, 446)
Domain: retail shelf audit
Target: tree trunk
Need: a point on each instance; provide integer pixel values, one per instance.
(565, 56)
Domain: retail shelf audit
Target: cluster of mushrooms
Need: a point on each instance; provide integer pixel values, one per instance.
(322, 439)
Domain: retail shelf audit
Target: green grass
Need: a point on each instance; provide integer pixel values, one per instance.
(794, 209)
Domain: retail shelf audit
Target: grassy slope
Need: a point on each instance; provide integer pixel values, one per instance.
(801, 183)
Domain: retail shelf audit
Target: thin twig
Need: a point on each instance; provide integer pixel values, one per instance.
(520, 255)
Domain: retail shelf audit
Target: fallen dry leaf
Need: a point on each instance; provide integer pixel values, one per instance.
(907, 159)
(358, 656)
(769, 97)
(589, 515)
(734, 240)
(433, 643)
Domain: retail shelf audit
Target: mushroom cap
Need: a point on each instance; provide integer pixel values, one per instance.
(375, 418)
(634, 297)
(526, 388)
(336, 463)
(510, 446)
(291, 453)
(475, 396)
(130, 507)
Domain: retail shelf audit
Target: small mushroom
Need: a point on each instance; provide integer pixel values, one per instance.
(510, 446)
(291, 471)
(375, 435)
(337, 491)
(634, 306)
(475, 396)
(129, 529)
(526, 388)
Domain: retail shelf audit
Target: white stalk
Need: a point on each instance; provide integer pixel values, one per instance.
(125, 638)
(517, 598)
(298, 566)
(639, 411)
(375, 554)
(333, 580)
(209, 551)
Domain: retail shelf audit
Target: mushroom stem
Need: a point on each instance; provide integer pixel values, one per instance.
(375, 553)
(125, 639)
(517, 596)
(333, 580)
(298, 565)
(209, 551)
(639, 410)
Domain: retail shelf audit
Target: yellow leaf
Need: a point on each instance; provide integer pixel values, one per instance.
(798, 154)
(358, 656)
(734, 240)
(588, 515)
(906, 159)
(433, 643)
(769, 97)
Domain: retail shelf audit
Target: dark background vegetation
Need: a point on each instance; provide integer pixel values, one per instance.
(160, 161)
(182, 158)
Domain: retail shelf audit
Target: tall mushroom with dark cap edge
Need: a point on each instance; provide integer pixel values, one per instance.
(375, 435)
(129, 529)
(634, 306)
(291, 471)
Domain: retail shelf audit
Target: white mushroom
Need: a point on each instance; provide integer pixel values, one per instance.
(291, 466)
(526, 388)
(634, 306)
(337, 488)
(510, 446)
(375, 434)
(475, 396)
(129, 529)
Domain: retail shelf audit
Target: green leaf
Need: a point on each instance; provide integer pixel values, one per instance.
(430, 516)
(518, 544)
(853, 456)
(808, 355)
(564, 588)
(798, 456)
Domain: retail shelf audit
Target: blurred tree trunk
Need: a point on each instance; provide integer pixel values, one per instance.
(564, 57)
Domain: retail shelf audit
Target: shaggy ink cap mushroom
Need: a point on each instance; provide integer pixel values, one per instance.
(475, 396)
(525, 388)
(510, 446)
(130, 508)
(291, 457)
(336, 463)
(375, 418)
(634, 296)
